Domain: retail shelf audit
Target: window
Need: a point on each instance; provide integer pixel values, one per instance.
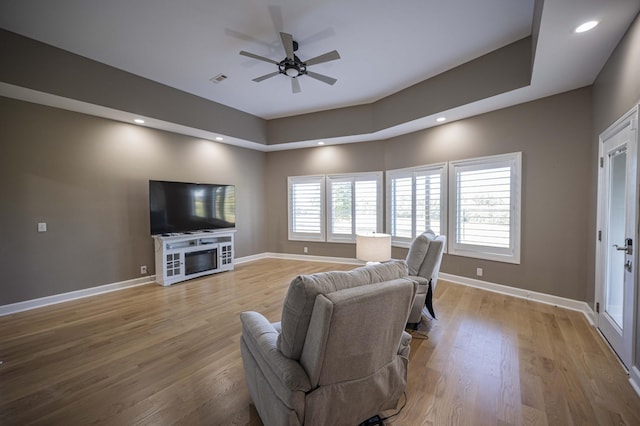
(354, 205)
(306, 208)
(485, 210)
(416, 199)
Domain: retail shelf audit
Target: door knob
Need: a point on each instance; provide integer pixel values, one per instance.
(623, 248)
(627, 248)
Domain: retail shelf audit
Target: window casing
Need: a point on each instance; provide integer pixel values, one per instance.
(416, 202)
(484, 215)
(354, 205)
(306, 208)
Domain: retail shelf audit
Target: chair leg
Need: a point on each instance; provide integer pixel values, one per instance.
(429, 301)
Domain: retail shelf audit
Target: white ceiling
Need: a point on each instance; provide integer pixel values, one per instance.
(384, 46)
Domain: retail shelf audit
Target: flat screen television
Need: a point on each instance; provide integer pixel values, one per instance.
(178, 207)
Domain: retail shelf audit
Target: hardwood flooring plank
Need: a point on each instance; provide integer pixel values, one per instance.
(170, 355)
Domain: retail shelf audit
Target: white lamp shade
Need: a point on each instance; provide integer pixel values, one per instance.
(373, 247)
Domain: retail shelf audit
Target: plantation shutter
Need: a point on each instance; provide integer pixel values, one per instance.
(402, 207)
(484, 207)
(415, 202)
(355, 205)
(306, 208)
(485, 213)
(428, 201)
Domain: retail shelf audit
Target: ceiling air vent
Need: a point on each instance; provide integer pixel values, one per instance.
(218, 78)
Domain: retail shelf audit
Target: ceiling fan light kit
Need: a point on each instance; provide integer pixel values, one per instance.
(291, 66)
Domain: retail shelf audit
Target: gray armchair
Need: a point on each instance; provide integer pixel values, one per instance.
(339, 356)
(423, 261)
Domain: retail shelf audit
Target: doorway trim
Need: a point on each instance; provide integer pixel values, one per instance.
(629, 118)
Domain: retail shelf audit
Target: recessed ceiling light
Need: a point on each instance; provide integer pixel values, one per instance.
(440, 119)
(219, 138)
(586, 26)
(321, 143)
(139, 121)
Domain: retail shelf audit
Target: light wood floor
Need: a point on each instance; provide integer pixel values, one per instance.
(154, 355)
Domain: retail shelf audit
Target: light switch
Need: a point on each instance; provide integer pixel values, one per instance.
(42, 227)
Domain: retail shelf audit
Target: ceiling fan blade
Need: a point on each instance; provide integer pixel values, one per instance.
(295, 85)
(266, 76)
(319, 36)
(322, 78)
(276, 17)
(258, 57)
(287, 43)
(329, 56)
(246, 37)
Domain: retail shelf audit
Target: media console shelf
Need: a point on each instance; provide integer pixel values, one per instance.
(180, 257)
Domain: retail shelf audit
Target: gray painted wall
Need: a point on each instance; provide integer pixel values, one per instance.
(500, 71)
(554, 135)
(87, 178)
(47, 69)
(616, 91)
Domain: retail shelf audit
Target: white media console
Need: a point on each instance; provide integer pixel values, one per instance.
(180, 257)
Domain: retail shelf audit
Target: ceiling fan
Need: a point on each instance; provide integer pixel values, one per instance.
(292, 66)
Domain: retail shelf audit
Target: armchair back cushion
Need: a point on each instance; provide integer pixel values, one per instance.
(301, 296)
(349, 337)
(351, 352)
(424, 254)
(423, 262)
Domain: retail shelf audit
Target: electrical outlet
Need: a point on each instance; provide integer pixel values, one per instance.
(143, 270)
(479, 272)
(306, 249)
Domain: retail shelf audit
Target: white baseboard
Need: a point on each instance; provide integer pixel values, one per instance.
(311, 258)
(73, 295)
(634, 379)
(245, 259)
(498, 288)
(562, 302)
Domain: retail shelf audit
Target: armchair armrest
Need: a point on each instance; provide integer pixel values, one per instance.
(284, 374)
(405, 345)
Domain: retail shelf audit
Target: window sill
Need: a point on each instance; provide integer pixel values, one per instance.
(496, 257)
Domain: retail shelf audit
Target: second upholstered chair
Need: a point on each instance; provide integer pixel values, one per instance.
(423, 261)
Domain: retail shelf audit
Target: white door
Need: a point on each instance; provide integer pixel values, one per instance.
(617, 235)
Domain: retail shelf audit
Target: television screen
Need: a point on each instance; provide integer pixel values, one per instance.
(176, 207)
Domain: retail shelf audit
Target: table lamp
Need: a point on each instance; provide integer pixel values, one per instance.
(373, 247)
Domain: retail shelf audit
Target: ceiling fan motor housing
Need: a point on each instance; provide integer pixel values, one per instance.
(293, 68)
